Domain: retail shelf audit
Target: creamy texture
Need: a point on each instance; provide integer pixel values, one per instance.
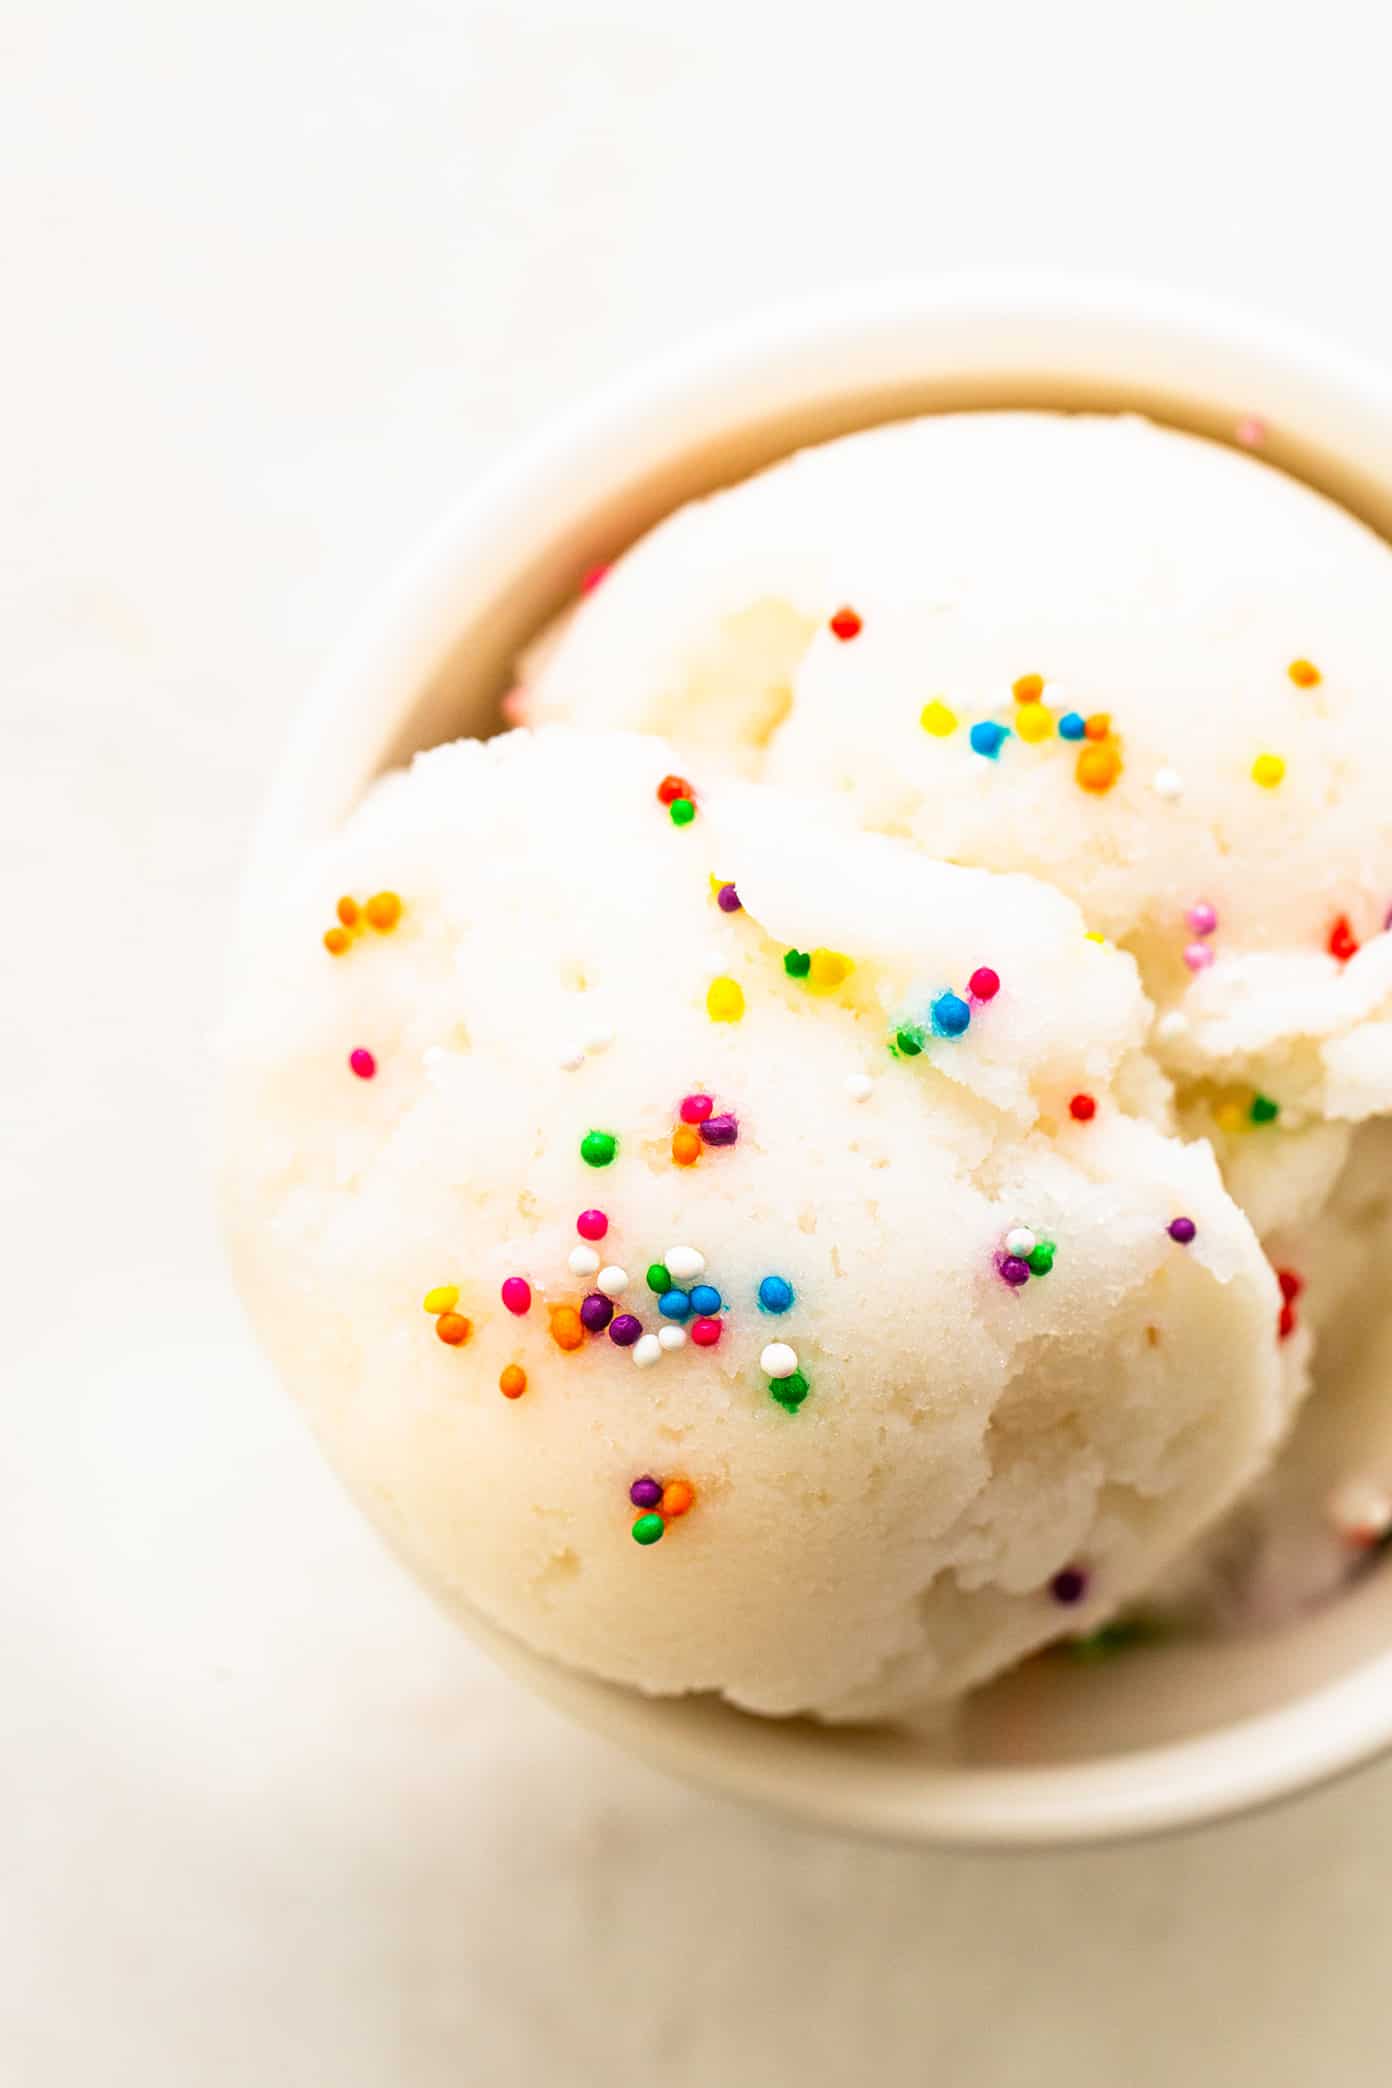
(962, 1442)
(1151, 577)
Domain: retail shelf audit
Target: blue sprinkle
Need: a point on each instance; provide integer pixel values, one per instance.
(951, 1015)
(1072, 725)
(988, 738)
(705, 1300)
(674, 1304)
(775, 1294)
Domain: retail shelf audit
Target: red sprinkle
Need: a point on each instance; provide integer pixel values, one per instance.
(591, 580)
(1291, 1287)
(1083, 1108)
(706, 1332)
(362, 1063)
(517, 1294)
(1342, 944)
(592, 1225)
(984, 984)
(846, 624)
(696, 1108)
(673, 787)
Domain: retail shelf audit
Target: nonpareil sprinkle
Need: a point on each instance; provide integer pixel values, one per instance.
(597, 1148)
(725, 1000)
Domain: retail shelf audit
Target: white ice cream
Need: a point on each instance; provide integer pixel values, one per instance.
(893, 1538)
(1164, 582)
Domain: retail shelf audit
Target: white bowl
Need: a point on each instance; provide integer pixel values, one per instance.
(1058, 1752)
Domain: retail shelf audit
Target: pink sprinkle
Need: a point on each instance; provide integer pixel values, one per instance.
(1250, 431)
(1199, 956)
(706, 1332)
(1202, 917)
(592, 1225)
(591, 580)
(696, 1108)
(517, 1294)
(984, 984)
(363, 1063)
(514, 706)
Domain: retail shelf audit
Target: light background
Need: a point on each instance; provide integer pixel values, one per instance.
(277, 278)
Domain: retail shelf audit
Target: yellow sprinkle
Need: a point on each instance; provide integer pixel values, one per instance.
(443, 1298)
(1033, 722)
(938, 719)
(827, 969)
(1094, 935)
(725, 1000)
(1268, 770)
(1303, 673)
(1232, 1118)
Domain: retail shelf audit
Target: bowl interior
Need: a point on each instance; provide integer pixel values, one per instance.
(1057, 1750)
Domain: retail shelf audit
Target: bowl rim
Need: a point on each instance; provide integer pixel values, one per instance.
(654, 413)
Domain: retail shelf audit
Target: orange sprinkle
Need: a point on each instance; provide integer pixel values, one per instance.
(1098, 725)
(383, 911)
(336, 941)
(686, 1146)
(1029, 688)
(1303, 673)
(453, 1329)
(567, 1328)
(1098, 768)
(846, 624)
(347, 911)
(513, 1381)
(677, 1497)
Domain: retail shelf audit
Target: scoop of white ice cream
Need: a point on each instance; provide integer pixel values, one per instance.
(882, 1125)
(1224, 629)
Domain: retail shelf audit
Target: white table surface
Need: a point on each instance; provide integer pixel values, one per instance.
(279, 276)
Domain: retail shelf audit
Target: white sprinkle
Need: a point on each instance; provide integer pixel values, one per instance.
(1167, 783)
(1020, 1242)
(647, 1350)
(1171, 1027)
(613, 1281)
(599, 1040)
(859, 1086)
(671, 1337)
(583, 1261)
(684, 1264)
(778, 1360)
(573, 1059)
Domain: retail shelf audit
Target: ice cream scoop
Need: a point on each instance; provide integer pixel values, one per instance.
(669, 1206)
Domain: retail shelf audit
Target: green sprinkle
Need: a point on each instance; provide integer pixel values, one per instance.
(597, 1148)
(1122, 1635)
(1264, 1110)
(1042, 1259)
(648, 1529)
(790, 1392)
(797, 963)
(683, 812)
(659, 1280)
(908, 1042)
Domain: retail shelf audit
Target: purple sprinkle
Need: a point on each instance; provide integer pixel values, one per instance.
(645, 1493)
(625, 1329)
(596, 1312)
(1182, 1229)
(720, 1130)
(728, 899)
(1069, 1584)
(1013, 1269)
